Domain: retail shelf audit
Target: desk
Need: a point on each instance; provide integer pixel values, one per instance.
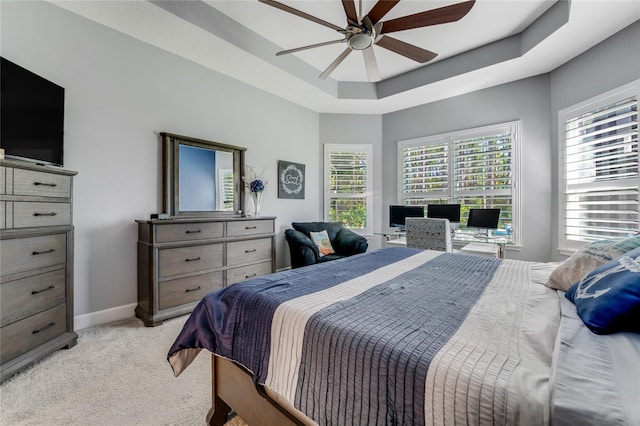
(459, 236)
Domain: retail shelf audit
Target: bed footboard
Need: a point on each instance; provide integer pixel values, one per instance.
(232, 387)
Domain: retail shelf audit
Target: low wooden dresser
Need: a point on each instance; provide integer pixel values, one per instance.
(36, 263)
(181, 260)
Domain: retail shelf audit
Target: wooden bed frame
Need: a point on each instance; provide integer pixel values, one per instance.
(232, 387)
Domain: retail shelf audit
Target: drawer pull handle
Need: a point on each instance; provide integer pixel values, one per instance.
(53, 185)
(51, 324)
(45, 214)
(192, 289)
(193, 232)
(250, 251)
(250, 276)
(250, 227)
(35, 253)
(43, 290)
(193, 259)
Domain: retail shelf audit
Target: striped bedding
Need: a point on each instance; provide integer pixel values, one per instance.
(395, 336)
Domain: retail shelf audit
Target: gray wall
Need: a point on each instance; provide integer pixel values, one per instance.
(608, 65)
(120, 93)
(526, 100)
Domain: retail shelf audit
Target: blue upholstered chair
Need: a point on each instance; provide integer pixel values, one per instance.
(429, 233)
(305, 252)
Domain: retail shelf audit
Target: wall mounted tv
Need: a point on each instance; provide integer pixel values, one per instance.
(31, 115)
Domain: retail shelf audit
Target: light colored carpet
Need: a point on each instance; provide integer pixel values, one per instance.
(117, 374)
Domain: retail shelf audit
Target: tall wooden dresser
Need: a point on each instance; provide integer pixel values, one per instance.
(36, 263)
(181, 260)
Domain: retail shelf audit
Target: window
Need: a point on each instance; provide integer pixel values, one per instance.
(225, 188)
(599, 168)
(475, 168)
(347, 177)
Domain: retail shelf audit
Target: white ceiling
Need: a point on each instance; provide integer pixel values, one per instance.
(487, 21)
(240, 37)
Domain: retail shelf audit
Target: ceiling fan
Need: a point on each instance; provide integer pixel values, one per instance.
(362, 32)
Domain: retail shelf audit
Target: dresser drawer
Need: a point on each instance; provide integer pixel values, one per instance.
(236, 275)
(28, 214)
(186, 290)
(3, 213)
(41, 184)
(176, 261)
(188, 231)
(21, 298)
(27, 254)
(3, 180)
(24, 335)
(249, 227)
(239, 252)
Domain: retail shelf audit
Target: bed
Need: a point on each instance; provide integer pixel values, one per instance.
(402, 336)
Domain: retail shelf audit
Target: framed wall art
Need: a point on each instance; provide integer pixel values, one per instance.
(290, 180)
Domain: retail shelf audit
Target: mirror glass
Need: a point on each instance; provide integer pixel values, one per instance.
(201, 177)
(206, 179)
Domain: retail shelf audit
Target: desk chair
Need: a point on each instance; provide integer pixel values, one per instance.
(429, 233)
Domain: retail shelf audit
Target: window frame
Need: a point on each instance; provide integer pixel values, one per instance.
(368, 151)
(450, 194)
(567, 246)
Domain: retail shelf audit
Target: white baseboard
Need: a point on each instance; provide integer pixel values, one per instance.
(103, 317)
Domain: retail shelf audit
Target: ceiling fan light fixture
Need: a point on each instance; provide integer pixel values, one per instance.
(360, 41)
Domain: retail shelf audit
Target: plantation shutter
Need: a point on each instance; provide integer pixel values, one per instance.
(483, 172)
(227, 189)
(425, 172)
(348, 177)
(601, 172)
(474, 168)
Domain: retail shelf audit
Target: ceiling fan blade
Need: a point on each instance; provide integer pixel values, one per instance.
(370, 63)
(380, 9)
(335, 64)
(298, 49)
(301, 14)
(441, 15)
(405, 49)
(350, 10)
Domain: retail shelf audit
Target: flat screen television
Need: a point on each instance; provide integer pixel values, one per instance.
(31, 115)
(398, 214)
(444, 211)
(483, 218)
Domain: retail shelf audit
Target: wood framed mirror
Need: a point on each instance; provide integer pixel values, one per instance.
(201, 178)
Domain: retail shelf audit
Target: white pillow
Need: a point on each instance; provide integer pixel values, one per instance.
(588, 258)
(321, 239)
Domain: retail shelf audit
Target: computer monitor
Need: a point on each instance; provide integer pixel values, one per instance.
(398, 214)
(483, 218)
(444, 211)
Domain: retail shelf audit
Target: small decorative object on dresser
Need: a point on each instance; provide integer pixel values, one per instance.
(256, 184)
(181, 260)
(36, 254)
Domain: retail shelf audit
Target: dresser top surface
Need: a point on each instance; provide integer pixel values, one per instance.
(28, 165)
(202, 219)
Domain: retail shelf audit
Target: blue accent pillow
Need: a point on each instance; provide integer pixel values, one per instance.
(608, 298)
